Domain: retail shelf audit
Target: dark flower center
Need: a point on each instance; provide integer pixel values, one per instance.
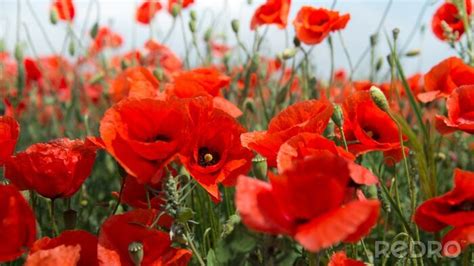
(371, 133)
(207, 157)
(159, 137)
(464, 206)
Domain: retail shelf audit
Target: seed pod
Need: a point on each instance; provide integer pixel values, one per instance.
(395, 33)
(260, 167)
(379, 99)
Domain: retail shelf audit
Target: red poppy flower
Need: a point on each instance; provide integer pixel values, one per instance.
(55, 169)
(9, 130)
(308, 116)
(367, 128)
(307, 203)
(454, 208)
(143, 135)
(17, 224)
(119, 231)
(163, 56)
(184, 4)
(446, 76)
(33, 72)
(203, 82)
(340, 259)
(449, 13)
(85, 240)
(457, 240)
(460, 105)
(272, 12)
(306, 144)
(215, 154)
(147, 10)
(312, 25)
(60, 255)
(105, 38)
(65, 9)
(135, 82)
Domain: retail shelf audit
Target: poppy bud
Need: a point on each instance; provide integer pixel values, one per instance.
(184, 214)
(177, 233)
(374, 39)
(193, 15)
(372, 191)
(255, 63)
(337, 116)
(70, 218)
(259, 167)
(72, 48)
(379, 64)
(296, 42)
(235, 25)
(249, 2)
(379, 99)
(249, 105)
(53, 16)
(18, 52)
(395, 33)
(175, 10)
(389, 60)
(440, 156)
(207, 35)
(123, 64)
(288, 53)
(158, 73)
(414, 52)
(230, 225)
(192, 26)
(135, 250)
(94, 30)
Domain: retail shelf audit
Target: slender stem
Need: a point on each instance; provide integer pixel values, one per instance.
(331, 74)
(191, 245)
(54, 227)
(120, 196)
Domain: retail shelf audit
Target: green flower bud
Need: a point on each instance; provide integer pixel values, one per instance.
(124, 64)
(395, 33)
(412, 53)
(135, 251)
(208, 35)
(53, 16)
(184, 214)
(193, 15)
(296, 42)
(175, 10)
(337, 116)
(177, 233)
(159, 74)
(97, 78)
(379, 64)
(260, 167)
(192, 26)
(72, 48)
(235, 25)
(374, 39)
(94, 30)
(379, 99)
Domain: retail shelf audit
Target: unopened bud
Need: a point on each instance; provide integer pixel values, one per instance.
(379, 64)
(208, 35)
(288, 53)
(412, 53)
(192, 26)
(158, 73)
(184, 214)
(177, 233)
(193, 15)
(72, 48)
(97, 78)
(175, 10)
(374, 39)
(395, 33)
(124, 64)
(337, 116)
(379, 99)
(53, 16)
(136, 253)
(260, 167)
(296, 42)
(235, 25)
(94, 30)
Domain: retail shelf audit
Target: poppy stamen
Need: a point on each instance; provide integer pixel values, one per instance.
(207, 157)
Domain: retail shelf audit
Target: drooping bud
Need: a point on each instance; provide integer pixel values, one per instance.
(159, 74)
(72, 48)
(296, 42)
(235, 25)
(192, 26)
(53, 16)
(193, 15)
(208, 35)
(412, 53)
(177, 233)
(260, 167)
(136, 253)
(175, 10)
(374, 39)
(70, 219)
(379, 64)
(124, 64)
(288, 53)
(249, 104)
(337, 116)
(94, 30)
(379, 99)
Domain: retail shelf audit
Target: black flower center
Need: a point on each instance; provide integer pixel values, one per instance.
(372, 134)
(159, 137)
(464, 206)
(207, 157)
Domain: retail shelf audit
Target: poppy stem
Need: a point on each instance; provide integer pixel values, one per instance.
(192, 246)
(54, 227)
(120, 196)
(313, 258)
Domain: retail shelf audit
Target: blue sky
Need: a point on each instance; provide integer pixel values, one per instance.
(365, 18)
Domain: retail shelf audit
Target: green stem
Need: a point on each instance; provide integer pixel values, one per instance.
(192, 246)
